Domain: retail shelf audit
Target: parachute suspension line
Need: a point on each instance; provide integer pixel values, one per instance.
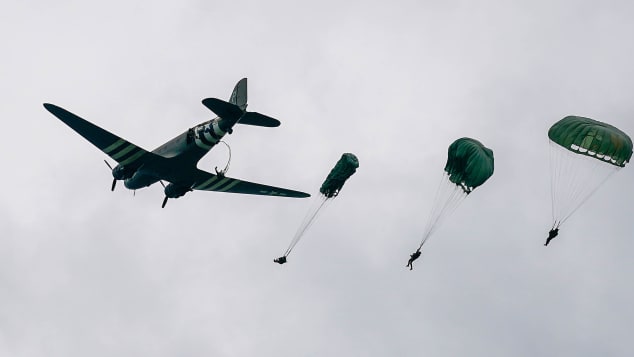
(554, 179)
(318, 203)
(575, 178)
(589, 187)
(434, 211)
(448, 198)
(445, 207)
(455, 197)
(566, 180)
(562, 162)
(224, 171)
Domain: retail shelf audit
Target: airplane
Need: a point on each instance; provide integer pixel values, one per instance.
(176, 160)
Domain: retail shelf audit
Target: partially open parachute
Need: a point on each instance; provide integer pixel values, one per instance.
(584, 154)
(330, 188)
(345, 167)
(469, 165)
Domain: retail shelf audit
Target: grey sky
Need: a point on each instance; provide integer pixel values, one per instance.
(84, 271)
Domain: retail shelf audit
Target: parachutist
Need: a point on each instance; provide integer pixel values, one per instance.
(280, 260)
(413, 257)
(220, 173)
(582, 147)
(552, 234)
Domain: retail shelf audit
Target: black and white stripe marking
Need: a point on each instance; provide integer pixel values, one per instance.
(217, 184)
(124, 152)
(208, 135)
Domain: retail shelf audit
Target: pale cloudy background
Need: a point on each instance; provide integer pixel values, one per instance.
(88, 272)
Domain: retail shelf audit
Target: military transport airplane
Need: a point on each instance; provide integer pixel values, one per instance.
(176, 160)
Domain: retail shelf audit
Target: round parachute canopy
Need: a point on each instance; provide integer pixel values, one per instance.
(345, 167)
(584, 154)
(592, 138)
(469, 163)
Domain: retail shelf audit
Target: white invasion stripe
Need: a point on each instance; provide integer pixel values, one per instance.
(202, 145)
(216, 129)
(206, 183)
(116, 144)
(210, 138)
(133, 158)
(123, 152)
(222, 182)
(226, 188)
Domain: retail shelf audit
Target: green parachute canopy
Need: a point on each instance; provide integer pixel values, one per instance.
(584, 154)
(469, 163)
(592, 138)
(345, 167)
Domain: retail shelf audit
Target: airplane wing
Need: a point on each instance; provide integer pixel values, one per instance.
(206, 181)
(120, 150)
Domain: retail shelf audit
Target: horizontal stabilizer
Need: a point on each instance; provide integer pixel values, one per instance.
(254, 118)
(224, 110)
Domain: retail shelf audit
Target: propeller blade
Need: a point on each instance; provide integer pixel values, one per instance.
(114, 183)
(162, 184)
(108, 164)
(164, 202)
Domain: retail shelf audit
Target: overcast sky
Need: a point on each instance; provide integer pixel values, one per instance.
(88, 272)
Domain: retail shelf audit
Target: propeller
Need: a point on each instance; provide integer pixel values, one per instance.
(173, 191)
(164, 200)
(114, 182)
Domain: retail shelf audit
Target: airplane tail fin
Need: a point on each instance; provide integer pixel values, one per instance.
(239, 94)
(235, 109)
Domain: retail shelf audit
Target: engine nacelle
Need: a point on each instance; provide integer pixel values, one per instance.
(121, 173)
(175, 191)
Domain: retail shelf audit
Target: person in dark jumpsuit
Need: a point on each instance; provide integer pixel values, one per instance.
(413, 257)
(552, 234)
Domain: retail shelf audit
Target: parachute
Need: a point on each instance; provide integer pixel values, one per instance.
(469, 165)
(330, 188)
(584, 154)
(345, 167)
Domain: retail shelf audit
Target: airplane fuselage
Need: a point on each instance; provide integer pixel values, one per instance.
(184, 151)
